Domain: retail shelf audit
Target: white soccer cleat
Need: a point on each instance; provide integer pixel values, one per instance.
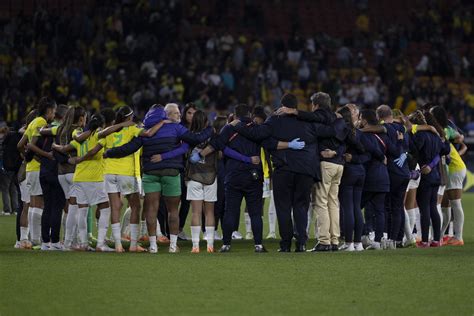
(45, 246)
(358, 246)
(173, 249)
(153, 249)
(249, 236)
(16, 245)
(104, 248)
(182, 236)
(271, 236)
(57, 246)
(236, 235)
(347, 247)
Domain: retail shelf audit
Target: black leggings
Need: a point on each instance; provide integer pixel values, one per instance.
(184, 207)
(427, 197)
(54, 201)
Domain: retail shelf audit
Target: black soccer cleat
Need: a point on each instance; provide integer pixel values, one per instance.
(225, 248)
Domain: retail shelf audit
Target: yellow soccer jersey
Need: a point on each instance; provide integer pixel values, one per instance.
(33, 131)
(137, 155)
(456, 164)
(89, 170)
(121, 166)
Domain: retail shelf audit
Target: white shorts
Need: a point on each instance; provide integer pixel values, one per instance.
(455, 180)
(200, 192)
(65, 180)
(125, 185)
(414, 184)
(33, 184)
(89, 193)
(441, 189)
(25, 195)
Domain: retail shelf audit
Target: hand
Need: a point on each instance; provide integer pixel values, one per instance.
(50, 156)
(156, 158)
(56, 147)
(385, 160)
(234, 122)
(328, 153)
(296, 144)
(255, 160)
(74, 160)
(194, 158)
(338, 115)
(284, 110)
(400, 161)
(425, 170)
(399, 135)
(347, 157)
(433, 130)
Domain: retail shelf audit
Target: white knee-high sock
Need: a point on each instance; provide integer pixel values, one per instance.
(248, 224)
(63, 222)
(158, 229)
(210, 235)
(134, 230)
(458, 221)
(71, 224)
(30, 221)
(418, 223)
(23, 233)
(195, 232)
(126, 222)
(272, 218)
(406, 228)
(445, 219)
(412, 217)
(440, 213)
(116, 234)
(35, 226)
(103, 226)
(82, 225)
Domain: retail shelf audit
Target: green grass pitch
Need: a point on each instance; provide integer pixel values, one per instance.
(401, 282)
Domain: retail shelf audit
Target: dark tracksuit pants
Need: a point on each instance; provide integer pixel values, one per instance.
(394, 205)
(219, 206)
(54, 201)
(237, 188)
(426, 198)
(350, 197)
(292, 191)
(374, 202)
(163, 217)
(184, 206)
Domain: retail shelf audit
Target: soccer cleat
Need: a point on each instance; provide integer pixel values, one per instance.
(271, 236)
(173, 249)
(320, 248)
(44, 246)
(422, 244)
(163, 239)
(153, 249)
(26, 244)
(249, 236)
(435, 244)
(119, 249)
(144, 238)
(210, 250)
(260, 249)
(375, 245)
(217, 236)
(182, 236)
(410, 243)
(104, 248)
(16, 245)
(56, 246)
(225, 248)
(137, 248)
(455, 242)
(347, 247)
(236, 235)
(446, 239)
(358, 246)
(365, 241)
(195, 250)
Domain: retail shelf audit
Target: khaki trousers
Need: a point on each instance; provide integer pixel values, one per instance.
(327, 203)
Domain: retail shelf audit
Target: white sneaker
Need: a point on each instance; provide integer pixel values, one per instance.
(173, 249)
(153, 249)
(271, 236)
(182, 236)
(358, 246)
(236, 235)
(17, 245)
(249, 236)
(217, 236)
(375, 245)
(347, 247)
(56, 246)
(365, 241)
(372, 236)
(104, 248)
(45, 246)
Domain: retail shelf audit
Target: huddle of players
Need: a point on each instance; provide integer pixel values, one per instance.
(380, 167)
